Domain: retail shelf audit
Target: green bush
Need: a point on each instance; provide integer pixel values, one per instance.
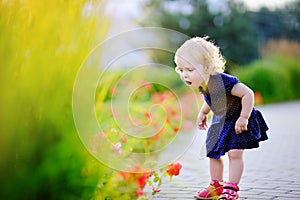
(275, 78)
(42, 45)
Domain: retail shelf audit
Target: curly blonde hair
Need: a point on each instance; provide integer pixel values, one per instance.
(201, 51)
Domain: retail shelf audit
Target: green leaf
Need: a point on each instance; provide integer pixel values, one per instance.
(159, 183)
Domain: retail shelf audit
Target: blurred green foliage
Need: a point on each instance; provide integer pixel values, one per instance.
(42, 45)
(276, 79)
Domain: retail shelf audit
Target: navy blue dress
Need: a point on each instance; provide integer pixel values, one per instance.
(226, 108)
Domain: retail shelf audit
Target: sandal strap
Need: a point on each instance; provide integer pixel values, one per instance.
(213, 190)
(216, 183)
(231, 186)
(225, 196)
(229, 192)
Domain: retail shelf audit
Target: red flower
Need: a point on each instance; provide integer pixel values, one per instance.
(168, 120)
(124, 140)
(140, 192)
(147, 86)
(175, 129)
(83, 172)
(171, 111)
(143, 180)
(102, 134)
(147, 115)
(174, 169)
(124, 175)
(158, 98)
(155, 190)
(258, 98)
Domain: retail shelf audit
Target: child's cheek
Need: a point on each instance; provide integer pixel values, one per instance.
(181, 76)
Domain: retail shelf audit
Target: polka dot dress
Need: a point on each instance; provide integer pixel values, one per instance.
(226, 108)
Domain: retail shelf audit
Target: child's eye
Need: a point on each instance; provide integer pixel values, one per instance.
(179, 70)
(190, 69)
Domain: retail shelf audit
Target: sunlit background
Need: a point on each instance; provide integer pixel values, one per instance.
(43, 44)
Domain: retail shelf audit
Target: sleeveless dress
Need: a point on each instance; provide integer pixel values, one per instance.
(226, 108)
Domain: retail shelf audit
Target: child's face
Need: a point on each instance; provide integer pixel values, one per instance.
(192, 76)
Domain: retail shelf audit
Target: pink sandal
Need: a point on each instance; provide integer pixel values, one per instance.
(213, 191)
(230, 192)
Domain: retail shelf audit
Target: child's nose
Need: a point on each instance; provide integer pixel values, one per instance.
(185, 74)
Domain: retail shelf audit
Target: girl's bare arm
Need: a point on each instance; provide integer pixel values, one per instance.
(205, 109)
(246, 94)
(202, 117)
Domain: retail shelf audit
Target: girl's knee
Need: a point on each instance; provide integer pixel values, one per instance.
(236, 154)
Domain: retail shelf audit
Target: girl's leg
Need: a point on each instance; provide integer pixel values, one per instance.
(236, 165)
(216, 169)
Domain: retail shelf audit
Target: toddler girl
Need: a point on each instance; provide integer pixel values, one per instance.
(236, 125)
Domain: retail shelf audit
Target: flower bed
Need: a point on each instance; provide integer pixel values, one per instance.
(152, 108)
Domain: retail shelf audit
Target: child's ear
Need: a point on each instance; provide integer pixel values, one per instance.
(205, 69)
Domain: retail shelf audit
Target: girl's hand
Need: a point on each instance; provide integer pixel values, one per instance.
(201, 121)
(241, 125)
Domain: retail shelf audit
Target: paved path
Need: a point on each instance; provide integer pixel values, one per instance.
(271, 172)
